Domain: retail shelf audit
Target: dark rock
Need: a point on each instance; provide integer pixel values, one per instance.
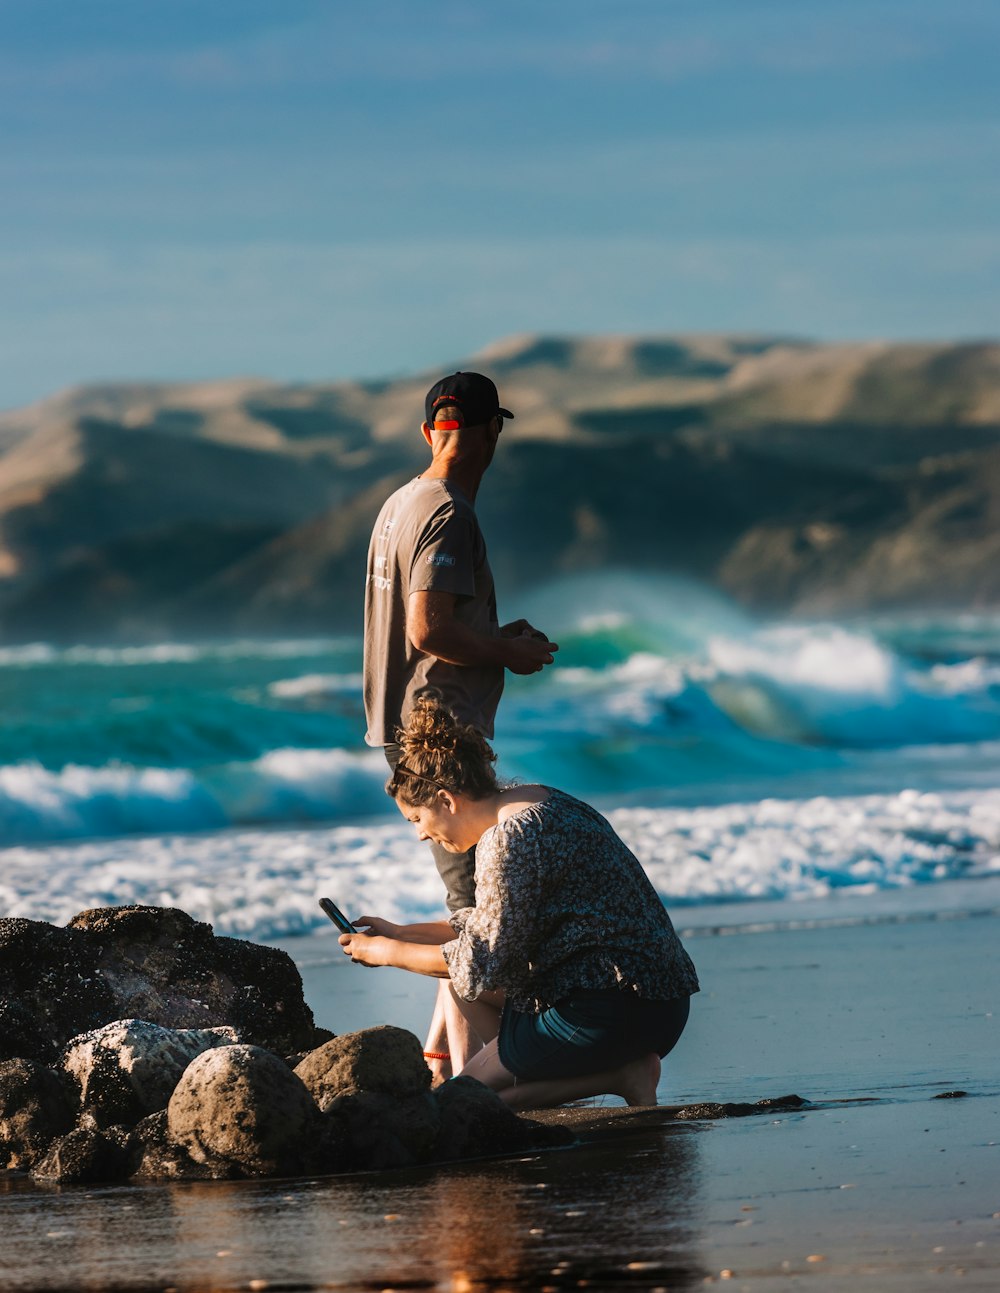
(165, 967)
(147, 963)
(385, 1059)
(50, 989)
(159, 1158)
(780, 1102)
(713, 1109)
(36, 1106)
(693, 1112)
(475, 1123)
(371, 1131)
(84, 1156)
(951, 1095)
(267, 1007)
(129, 1068)
(320, 1037)
(243, 1107)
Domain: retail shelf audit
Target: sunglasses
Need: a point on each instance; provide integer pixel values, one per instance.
(419, 776)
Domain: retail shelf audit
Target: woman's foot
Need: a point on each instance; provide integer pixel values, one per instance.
(439, 1064)
(637, 1081)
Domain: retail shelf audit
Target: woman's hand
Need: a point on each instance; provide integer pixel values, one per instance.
(376, 925)
(373, 949)
(366, 949)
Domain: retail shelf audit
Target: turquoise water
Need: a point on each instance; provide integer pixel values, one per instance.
(171, 706)
(661, 692)
(741, 760)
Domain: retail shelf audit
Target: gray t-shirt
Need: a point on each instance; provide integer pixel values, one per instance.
(426, 538)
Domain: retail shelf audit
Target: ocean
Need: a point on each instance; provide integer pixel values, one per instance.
(743, 760)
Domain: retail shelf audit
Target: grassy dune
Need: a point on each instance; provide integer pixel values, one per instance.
(797, 477)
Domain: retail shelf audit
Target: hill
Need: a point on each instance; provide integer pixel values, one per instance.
(798, 477)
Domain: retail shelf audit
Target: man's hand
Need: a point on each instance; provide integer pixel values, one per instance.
(526, 654)
(521, 628)
(365, 949)
(531, 660)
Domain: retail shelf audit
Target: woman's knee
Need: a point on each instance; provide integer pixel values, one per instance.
(486, 1067)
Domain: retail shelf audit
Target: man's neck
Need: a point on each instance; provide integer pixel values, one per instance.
(466, 475)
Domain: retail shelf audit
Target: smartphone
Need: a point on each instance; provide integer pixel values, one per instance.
(337, 916)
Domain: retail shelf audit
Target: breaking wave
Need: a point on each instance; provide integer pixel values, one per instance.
(660, 686)
(283, 786)
(264, 884)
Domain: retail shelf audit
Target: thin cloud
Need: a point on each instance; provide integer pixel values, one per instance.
(318, 311)
(396, 44)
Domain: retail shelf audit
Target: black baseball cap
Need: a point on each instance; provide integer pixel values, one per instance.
(473, 393)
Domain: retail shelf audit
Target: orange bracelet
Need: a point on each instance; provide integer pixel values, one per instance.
(436, 1055)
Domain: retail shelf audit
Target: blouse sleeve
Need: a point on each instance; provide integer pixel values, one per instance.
(457, 919)
(493, 946)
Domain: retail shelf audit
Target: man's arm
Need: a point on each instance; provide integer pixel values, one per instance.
(432, 627)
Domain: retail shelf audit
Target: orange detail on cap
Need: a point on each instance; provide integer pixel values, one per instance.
(447, 426)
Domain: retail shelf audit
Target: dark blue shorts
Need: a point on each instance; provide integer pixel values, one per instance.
(588, 1032)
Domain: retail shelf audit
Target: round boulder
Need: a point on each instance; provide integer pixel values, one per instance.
(129, 1068)
(244, 1107)
(385, 1059)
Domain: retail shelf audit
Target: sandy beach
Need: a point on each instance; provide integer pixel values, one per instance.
(873, 1011)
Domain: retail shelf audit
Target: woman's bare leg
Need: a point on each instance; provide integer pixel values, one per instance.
(458, 1029)
(437, 1043)
(482, 1016)
(635, 1082)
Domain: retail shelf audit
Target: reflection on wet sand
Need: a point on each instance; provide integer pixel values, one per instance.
(607, 1214)
(622, 1213)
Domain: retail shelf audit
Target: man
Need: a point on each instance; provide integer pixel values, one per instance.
(431, 621)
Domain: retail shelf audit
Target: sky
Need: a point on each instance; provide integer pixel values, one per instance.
(311, 189)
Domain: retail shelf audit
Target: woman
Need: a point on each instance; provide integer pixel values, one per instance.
(567, 932)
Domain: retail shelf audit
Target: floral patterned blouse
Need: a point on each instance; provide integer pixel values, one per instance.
(562, 904)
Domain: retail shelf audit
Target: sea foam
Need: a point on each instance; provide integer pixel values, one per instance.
(42, 653)
(265, 883)
(311, 685)
(662, 693)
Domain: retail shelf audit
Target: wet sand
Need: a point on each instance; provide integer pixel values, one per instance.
(877, 1184)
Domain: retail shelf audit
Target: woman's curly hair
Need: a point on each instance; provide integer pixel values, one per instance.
(437, 752)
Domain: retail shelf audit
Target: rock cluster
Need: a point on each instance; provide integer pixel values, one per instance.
(136, 1100)
(150, 963)
(224, 1076)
